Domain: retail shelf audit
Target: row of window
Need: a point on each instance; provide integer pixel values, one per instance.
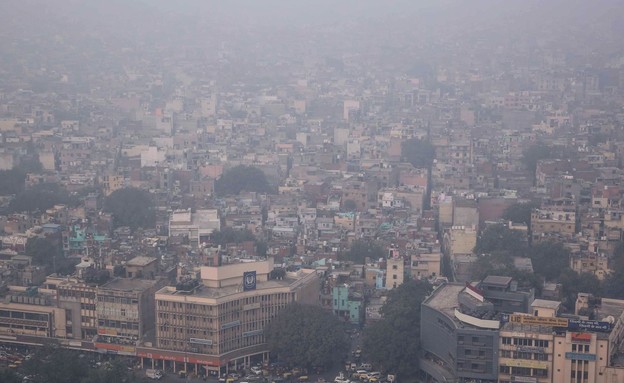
(525, 342)
(120, 300)
(523, 355)
(524, 371)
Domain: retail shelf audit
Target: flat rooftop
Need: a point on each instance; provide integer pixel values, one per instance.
(141, 260)
(496, 280)
(215, 293)
(543, 303)
(127, 284)
(445, 298)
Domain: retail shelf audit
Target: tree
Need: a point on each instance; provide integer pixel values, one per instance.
(8, 376)
(520, 212)
(229, 235)
(393, 342)
(500, 238)
(349, 205)
(573, 283)
(417, 152)
(549, 259)
(534, 153)
(130, 207)
(12, 181)
(56, 365)
(361, 249)
(48, 252)
(242, 178)
(307, 336)
(39, 198)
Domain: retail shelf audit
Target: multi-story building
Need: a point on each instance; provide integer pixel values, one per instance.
(218, 323)
(27, 314)
(426, 265)
(459, 336)
(79, 301)
(125, 313)
(395, 269)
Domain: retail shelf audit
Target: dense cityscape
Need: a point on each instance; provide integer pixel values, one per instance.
(350, 191)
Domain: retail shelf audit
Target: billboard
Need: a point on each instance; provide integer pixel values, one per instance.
(580, 356)
(588, 325)
(249, 280)
(538, 321)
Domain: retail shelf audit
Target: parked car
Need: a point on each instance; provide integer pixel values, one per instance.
(256, 370)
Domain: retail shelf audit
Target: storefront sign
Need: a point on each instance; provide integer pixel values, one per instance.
(588, 325)
(580, 356)
(538, 321)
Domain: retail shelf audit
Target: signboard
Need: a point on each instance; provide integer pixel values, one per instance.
(527, 363)
(177, 358)
(580, 356)
(106, 331)
(249, 280)
(580, 337)
(252, 333)
(588, 325)
(207, 342)
(230, 325)
(538, 321)
(537, 350)
(523, 379)
(116, 348)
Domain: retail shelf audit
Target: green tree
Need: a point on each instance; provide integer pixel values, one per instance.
(39, 198)
(349, 205)
(417, 152)
(46, 252)
(361, 249)
(393, 342)
(12, 181)
(307, 336)
(242, 178)
(534, 153)
(613, 284)
(502, 239)
(549, 259)
(573, 283)
(229, 235)
(130, 207)
(520, 212)
(8, 376)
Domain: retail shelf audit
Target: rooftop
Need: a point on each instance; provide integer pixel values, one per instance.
(543, 303)
(496, 280)
(127, 284)
(215, 293)
(140, 260)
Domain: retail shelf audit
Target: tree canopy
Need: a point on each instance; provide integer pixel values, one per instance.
(520, 212)
(360, 249)
(229, 235)
(499, 238)
(48, 252)
(417, 152)
(54, 365)
(307, 336)
(549, 259)
(12, 181)
(39, 197)
(534, 153)
(393, 343)
(130, 207)
(242, 178)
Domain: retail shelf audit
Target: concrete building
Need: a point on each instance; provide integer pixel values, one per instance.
(26, 313)
(217, 324)
(79, 302)
(125, 312)
(194, 226)
(395, 269)
(459, 336)
(426, 265)
(348, 305)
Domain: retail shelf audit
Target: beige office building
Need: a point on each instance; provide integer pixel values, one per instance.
(218, 324)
